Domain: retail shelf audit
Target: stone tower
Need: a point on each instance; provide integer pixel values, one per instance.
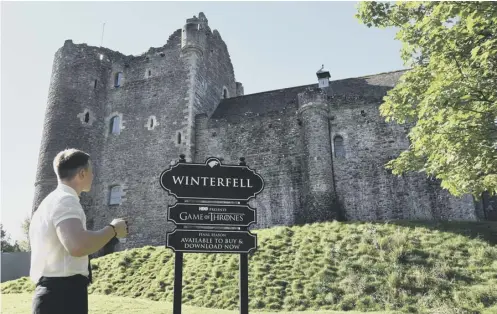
(135, 115)
(319, 192)
(75, 101)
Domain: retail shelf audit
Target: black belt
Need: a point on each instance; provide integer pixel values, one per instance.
(75, 279)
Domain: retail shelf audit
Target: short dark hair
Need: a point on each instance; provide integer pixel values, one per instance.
(68, 162)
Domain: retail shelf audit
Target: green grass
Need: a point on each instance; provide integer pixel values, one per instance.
(99, 304)
(410, 267)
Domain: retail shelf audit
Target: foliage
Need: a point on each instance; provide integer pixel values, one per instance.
(408, 267)
(6, 242)
(449, 95)
(24, 244)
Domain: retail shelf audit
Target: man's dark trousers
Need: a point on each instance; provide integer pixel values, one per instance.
(61, 295)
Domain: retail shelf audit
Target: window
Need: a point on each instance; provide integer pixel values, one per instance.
(118, 79)
(151, 123)
(179, 138)
(225, 93)
(95, 84)
(149, 72)
(115, 125)
(115, 195)
(86, 117)
(339, 148)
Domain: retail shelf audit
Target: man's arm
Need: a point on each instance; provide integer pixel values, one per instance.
(80, 242)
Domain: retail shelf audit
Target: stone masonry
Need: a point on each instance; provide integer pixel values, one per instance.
(321, 151)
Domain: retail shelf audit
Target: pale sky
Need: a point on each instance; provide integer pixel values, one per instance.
(272, 45)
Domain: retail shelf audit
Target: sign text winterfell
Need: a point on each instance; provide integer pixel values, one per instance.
(211, 181)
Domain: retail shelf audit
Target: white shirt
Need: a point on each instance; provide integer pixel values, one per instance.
(49, 258)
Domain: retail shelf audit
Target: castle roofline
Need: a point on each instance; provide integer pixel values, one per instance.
(331, 82)
(368, 86)
(115, 53)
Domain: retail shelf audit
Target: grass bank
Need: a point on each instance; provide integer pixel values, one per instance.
(102, 304)
(411, 267)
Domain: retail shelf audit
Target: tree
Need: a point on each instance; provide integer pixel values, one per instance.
(5, 240)
(449, 95)
(24, 245)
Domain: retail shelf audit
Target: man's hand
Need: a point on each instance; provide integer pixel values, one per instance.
(121, 226)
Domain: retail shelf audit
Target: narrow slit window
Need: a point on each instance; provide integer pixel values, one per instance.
(115, 195)
(339, 148)
(149, 73)
(225, 93)
(87, 117)
(118, 79)
(115, 125)
(95, 84)
(179, 138)
(151, 123)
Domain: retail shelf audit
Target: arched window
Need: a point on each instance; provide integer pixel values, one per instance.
(115, 125)
(115, 195)
(179, 137)
(339, 148)
(225, 93)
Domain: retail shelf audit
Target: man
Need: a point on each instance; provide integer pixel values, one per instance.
(60, 243)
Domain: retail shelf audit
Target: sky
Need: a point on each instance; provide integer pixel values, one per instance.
(272, 45)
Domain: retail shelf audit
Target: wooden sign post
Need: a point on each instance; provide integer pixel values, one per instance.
(198, 187)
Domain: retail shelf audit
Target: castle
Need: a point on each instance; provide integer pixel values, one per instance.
(320, 148)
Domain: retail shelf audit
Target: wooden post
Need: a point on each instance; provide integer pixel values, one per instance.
(178, 282)
(178, 271)
(244, 303)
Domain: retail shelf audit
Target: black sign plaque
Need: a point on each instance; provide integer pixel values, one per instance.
(211, 214)
(205, 183)
(211, 181)
(211, 241)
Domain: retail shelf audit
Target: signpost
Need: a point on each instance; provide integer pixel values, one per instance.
(209, 241)
(211, 215)
(211, 181)
(198, 187)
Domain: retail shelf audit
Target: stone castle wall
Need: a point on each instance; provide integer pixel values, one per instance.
(277, 141)
(269, 139)
(367, 191)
